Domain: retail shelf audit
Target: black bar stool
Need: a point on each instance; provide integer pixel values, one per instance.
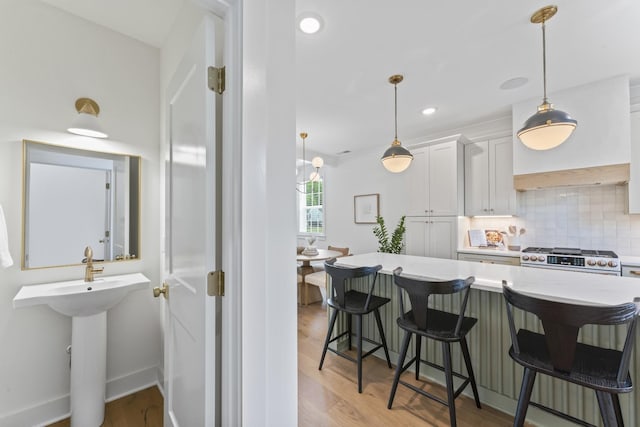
(353, 303)
(437, 325)
(557, 352)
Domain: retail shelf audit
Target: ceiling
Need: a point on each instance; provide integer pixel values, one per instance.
(453, 55)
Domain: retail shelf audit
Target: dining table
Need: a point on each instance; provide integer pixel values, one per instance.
(307, 268)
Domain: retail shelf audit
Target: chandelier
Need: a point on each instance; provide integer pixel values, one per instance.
(314, 174)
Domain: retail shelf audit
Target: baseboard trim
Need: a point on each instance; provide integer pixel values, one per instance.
(54, 410)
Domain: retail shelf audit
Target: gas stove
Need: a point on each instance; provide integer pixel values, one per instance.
(572, 259)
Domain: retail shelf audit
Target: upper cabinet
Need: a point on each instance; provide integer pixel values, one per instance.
(489, 178)
(435, 180)
(634, 180)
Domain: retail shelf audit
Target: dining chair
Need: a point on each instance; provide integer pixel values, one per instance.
(319, 278)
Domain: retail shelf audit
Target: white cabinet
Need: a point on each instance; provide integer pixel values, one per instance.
(489, 178)
(630, 271)
(489, 259)
(431, 236)
(634, 179)
(435, 179)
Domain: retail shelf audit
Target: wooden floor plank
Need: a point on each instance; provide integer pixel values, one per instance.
(330, 397)
(140, 409)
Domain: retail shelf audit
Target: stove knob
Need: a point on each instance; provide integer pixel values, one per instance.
(534, 258)
(591, 262)
(540, 258)
(602, 263)
(525, 257)
(612, 264)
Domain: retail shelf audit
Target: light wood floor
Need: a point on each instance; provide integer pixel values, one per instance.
(141, 409)
(330, 397)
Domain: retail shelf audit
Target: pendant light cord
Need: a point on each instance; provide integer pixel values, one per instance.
(544, 62)
(395, 110)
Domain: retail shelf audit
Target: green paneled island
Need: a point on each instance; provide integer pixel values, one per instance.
(498, 377)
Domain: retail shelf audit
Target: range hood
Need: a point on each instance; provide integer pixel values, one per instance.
(598, 151)
(596, 175)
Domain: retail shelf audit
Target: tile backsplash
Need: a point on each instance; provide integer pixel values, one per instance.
(580, 217)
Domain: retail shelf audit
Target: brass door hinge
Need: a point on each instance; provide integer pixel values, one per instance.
(215, 283)
(216, 79)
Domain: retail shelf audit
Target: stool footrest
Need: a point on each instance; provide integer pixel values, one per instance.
(561, 414)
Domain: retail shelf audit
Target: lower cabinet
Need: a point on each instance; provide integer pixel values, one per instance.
(433, 237)
(489, 258)
(631, 271)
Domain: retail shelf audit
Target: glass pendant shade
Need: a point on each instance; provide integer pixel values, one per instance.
(396, 158)
(547, 129)
(317, 162)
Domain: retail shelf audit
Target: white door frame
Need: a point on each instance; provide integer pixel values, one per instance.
(231, 349)
(259, 372)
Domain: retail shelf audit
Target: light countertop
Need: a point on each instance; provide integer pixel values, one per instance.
(557, 285)
(629, 261)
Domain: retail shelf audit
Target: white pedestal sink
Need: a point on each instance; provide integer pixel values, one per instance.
(87, 303)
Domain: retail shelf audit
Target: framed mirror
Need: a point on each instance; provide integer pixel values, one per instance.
(74, 198)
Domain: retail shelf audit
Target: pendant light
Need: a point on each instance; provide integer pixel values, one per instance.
(316, 163)
(548, 127)
(397, 158)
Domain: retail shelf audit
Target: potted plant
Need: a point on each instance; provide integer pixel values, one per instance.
(393, 245)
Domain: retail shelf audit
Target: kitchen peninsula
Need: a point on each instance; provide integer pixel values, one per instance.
(498, 377)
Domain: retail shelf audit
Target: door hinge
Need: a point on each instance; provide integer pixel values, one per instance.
(216, 78)
(107, 186)
(215, 283)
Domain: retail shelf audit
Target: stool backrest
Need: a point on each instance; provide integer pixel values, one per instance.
(419, 292)
(341, 274)
(562, 321)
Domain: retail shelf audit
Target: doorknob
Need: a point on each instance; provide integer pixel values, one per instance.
(164, 290)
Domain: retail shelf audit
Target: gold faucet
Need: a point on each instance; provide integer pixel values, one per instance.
(89, 270)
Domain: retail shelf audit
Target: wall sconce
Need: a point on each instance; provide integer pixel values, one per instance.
(86, 123)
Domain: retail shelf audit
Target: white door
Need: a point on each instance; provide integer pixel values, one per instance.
(69, 205)
(416, 236)
(443, 179)
(191, 351)
(442, 237)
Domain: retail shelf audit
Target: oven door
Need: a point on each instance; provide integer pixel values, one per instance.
(578, 269)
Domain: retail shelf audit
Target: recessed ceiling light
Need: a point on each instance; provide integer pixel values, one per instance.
(429, 111)
(310, 23)
(514, 83)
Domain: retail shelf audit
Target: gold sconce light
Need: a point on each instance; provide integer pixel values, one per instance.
(86, 122)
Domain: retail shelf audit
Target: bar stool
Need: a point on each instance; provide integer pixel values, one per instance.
(557, 352)
(354, 303)
(437, 325)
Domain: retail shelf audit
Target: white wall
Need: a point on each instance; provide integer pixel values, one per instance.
(268, 218)
(363, 173)
(50, 58)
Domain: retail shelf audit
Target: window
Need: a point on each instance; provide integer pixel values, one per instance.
(311, 208)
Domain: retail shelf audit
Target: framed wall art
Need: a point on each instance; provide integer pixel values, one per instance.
(366, 207)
